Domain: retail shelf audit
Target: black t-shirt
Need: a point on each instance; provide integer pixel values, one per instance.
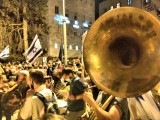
(77, 87)
(56, 80)
(121, 102)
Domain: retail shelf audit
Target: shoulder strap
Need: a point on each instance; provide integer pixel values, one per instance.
(42, 98)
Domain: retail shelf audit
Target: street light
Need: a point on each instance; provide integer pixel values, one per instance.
(64, 34)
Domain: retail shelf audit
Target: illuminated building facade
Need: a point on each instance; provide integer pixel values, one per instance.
(79, 15)
(152, 6)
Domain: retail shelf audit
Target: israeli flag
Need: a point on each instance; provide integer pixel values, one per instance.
(5, 52)
(84, 36)
(34, 51)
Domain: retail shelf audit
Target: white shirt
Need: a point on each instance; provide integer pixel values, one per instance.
(33, 106)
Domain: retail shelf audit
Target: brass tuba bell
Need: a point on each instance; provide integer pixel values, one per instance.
(122, 52)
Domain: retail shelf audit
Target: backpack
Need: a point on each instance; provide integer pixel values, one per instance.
(49, 106)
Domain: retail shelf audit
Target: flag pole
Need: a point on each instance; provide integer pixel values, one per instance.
(64, 34)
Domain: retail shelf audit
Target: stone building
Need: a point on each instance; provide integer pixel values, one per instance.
(106, 5)
(148, 5)
(79, 14)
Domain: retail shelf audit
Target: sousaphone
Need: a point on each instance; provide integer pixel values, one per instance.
(122, 52)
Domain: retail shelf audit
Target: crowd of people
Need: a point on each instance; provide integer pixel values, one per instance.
(75, 94)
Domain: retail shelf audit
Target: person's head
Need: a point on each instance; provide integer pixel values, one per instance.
(57, 73)
(29, 66)
(49, 64)
(68, 74)
(19, 66)
(22, 76)
(48, 81)
(40, 66)
(36, 77)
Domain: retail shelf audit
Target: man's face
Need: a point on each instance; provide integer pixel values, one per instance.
(21, 78)
(70, 76)
(30, 82)
(65, 77)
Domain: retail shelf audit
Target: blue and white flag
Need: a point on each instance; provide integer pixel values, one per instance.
(34, 51)
(144, 107)
(84, 36)
(5, 52)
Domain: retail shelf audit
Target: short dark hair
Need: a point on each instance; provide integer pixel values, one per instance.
(37, 76)
(67, 71)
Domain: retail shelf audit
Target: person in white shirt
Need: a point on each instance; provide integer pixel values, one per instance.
(33, 107)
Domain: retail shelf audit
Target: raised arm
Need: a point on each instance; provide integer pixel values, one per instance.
(114, 112)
